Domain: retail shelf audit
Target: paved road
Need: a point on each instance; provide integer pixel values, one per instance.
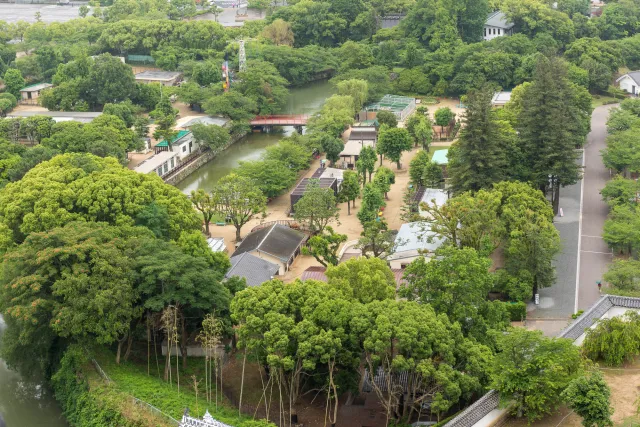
(557, 301)
(595, 256)
(584, 256)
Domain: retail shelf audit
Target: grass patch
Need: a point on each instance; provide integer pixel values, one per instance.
(631, 422)
(132, 378)
(598, 100)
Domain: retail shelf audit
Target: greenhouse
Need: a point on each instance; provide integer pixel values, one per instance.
(401, 106)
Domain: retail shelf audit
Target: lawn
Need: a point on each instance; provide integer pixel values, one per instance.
(599, 100)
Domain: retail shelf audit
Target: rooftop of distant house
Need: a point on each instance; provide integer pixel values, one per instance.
(206, 120)
(175, 139)
(158, 75)
(501, 98)
(441, 157)
(255, 270)
(36, 87)
(634, 75)
(58, 116)
(318, 273)
(360, 133)
(415, 238)
(499, 20)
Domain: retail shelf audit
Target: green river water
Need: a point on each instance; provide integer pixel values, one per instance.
(302, 100)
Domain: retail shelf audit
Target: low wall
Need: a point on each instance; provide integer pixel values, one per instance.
(204, 158)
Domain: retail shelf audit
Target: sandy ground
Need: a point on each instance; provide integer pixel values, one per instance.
(625, 391)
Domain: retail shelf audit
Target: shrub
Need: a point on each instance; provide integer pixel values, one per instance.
(614, 340)
(517, 311)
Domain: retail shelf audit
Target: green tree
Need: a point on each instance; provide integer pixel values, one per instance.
(548, 129)
(83, 11)
(317, 208)
(366, 163)
(272, 177)
(387, 118)
(532, 371)
(479, 158)
(203, 202)
(376, 240)
(392, 143)
(417, 167)
(73, 187)
(263, 83)
(372, 201)
(332, 147)
(363, 279)
(621, 153)
(588, 396)
(212, 136)
(614, 340)
(432, 175)
(358, 90)
(443, 116)
(13, 81)
(165, 119)
(624, 274)
(621, 229)
(383, 179)
(350, 189)
(238, 200)
(620, 191)
(324, 246)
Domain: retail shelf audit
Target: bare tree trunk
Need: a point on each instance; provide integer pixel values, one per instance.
(183, 344)
(348, 208)
(238, 233)
(119, 351)
(244, 361)
(128, 352)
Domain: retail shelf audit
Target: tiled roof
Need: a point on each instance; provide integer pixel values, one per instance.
(255, 270)
(278, 241)
(318, 273)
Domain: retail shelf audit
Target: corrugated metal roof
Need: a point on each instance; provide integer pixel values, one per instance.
(216, 244)
(178, 137)
(440, 157)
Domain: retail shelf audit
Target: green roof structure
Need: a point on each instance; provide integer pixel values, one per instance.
(440, 157)
(178, 137)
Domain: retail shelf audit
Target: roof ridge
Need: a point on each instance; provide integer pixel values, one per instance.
(265, 236)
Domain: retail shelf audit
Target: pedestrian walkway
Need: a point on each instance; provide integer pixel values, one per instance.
(595, 255)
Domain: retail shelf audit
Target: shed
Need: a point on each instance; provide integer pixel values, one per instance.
(32, 92)
(278, 244)
(182, 144)
(363, 133)
(253, 269)
(349, 155)
(500, 99)
(165, 78)
(217, 244)
(301, 188)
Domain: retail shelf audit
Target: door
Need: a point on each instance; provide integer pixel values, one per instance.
(633, 89)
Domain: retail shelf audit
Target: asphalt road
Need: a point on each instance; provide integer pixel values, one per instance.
(595, 255)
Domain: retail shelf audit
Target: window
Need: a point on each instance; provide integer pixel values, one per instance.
(165, 167)
(184, 148)
(485, 32)
(159, 171)
(499, 31)
(172, 163)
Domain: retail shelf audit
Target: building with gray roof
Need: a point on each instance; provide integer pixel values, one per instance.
(255, 270)
(277, 244)
(630, 82)
(414, 240)
(165, 78)
(497, 25)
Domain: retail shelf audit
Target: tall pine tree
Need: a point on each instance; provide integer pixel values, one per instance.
(478, 159)
(549, 129)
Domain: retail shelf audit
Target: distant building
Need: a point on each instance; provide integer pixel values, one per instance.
(161, 163)
(318, 273)
(500, 99)
(58, 116)
(497, 25)
(414, 240)
(432, 195)
(363, 133)
(183, 144)
(351, 151)
(277, 244)
(301, 188)
(630, 82)
(401, 106)
(165, 78)
(30, 94)
(253, 269)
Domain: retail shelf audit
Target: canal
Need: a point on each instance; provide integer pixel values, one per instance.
(302, 100)
(26, 403)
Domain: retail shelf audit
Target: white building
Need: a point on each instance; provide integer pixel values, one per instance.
(165, 78)
(183, 144)
(161, 163)
(500, 99)
(497, 26)
(630, 82)
(414, 240)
